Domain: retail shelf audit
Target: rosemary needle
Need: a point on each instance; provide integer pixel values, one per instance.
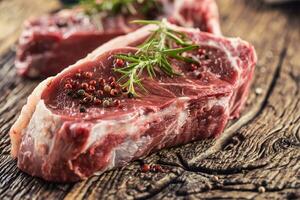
(153, 55)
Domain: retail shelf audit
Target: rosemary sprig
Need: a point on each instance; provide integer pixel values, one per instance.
(117, 6)
(154, 55)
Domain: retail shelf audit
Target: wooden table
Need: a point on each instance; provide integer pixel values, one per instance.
(258, 156)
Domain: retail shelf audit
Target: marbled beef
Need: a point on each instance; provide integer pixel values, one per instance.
(56, 139)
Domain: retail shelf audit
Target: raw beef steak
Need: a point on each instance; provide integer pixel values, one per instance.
(58, 139)
(50, 43)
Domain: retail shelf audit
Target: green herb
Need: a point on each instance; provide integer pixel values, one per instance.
(154, 55)
(114, 7)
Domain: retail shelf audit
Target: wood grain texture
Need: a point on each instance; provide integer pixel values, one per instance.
(258, 156)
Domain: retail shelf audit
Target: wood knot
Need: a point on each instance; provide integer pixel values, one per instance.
(234, 141)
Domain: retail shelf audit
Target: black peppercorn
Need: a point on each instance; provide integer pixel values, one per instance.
(130, 95)
(80, 92)
(82, 109)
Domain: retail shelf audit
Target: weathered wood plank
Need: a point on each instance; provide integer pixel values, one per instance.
(260, 151)
(266, 151)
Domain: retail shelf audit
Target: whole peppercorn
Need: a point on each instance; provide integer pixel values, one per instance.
(215, 178)
(264, 183)
(68, 86)
(80, 92)
(107, 88)
(91, 88)
(82, 109)
(145, 168)
(84, 85)
(69, 93)
(88, 74)
(101, 81)
(119, 62)
(130, 95)
(113, 92)
(106, 103)
(261, 189)
(93, 82)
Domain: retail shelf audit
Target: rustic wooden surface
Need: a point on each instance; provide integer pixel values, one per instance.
(258, 156)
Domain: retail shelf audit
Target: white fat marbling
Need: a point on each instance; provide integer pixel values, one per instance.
(223, 101)
(135, 122)
(232, 60)
(42, 127)
(128, 149)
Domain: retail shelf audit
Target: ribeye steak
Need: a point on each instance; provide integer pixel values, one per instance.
(50, 43)
(59, 140)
